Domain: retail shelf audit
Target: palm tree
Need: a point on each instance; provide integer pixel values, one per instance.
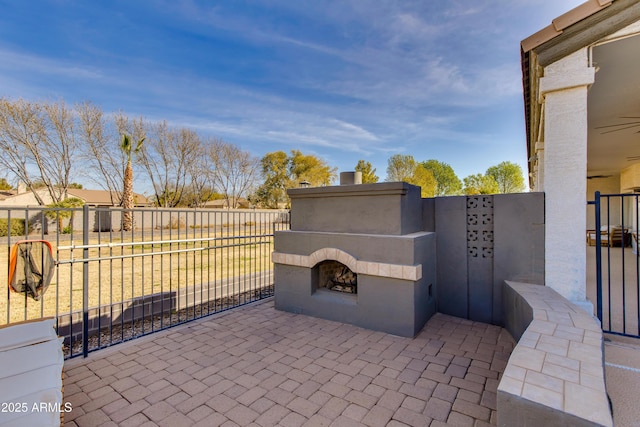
(62, 210)
(127, 148)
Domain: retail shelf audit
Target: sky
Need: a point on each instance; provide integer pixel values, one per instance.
(344, 80)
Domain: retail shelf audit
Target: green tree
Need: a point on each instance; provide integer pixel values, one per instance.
(401, 167)
(63, 210)
(307, 167)
(282, 172)
(447, 182)
(4, 184)
(127, 147)
(425, 180)
(480, 184)
(368, 172)
(509, 177)
(273, 191)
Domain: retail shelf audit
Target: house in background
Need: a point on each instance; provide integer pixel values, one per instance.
(581, 78)
(98, 198)
(102, 220)
(239, 203)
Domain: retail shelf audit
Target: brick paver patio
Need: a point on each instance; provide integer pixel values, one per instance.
(256, 366)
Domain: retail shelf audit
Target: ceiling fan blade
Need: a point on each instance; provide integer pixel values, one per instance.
(617, 130)
(619, 124)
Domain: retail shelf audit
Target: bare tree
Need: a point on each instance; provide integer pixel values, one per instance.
(201, 188)
(38, 145)
(167, 158)
(98, 143)
(234, 171)
(41, 144)
(59, 149)
(20, 122)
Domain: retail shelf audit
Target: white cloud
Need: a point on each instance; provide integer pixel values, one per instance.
(355, 80)
(350, 130)
(25, 63)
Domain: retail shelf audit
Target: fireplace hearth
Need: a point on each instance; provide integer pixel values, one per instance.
(335, 276)
(357, 254)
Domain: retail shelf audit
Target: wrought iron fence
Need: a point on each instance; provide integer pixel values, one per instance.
(617, 262)
(111, 285)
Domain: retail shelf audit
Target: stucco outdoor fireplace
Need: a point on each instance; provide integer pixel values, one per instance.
(358, 254)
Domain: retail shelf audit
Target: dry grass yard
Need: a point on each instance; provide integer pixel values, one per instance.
(125, 268)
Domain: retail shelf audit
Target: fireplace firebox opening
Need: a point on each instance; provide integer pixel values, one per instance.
(335, 276)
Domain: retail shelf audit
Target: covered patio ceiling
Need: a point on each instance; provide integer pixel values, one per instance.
(610, 30)
(614, 107)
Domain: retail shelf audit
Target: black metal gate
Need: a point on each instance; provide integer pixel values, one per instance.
(613, 252)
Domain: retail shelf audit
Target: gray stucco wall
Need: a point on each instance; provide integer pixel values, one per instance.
(517, 313)
(481, 242)
(451, 252)
(393, 208)
(523, 412)
(519, 243)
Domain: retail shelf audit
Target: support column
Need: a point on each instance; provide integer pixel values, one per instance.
(564, 92)
(539, 151)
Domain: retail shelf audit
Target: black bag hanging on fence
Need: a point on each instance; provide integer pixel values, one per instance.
(31, 266)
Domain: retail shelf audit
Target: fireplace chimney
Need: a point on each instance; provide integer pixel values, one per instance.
(350, 178)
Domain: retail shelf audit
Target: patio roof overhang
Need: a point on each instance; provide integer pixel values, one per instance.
(615, 95)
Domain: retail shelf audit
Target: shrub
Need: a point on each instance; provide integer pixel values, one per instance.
(16, 228)
(176, 223)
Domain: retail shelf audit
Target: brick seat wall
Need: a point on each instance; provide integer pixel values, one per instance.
(555, 375)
